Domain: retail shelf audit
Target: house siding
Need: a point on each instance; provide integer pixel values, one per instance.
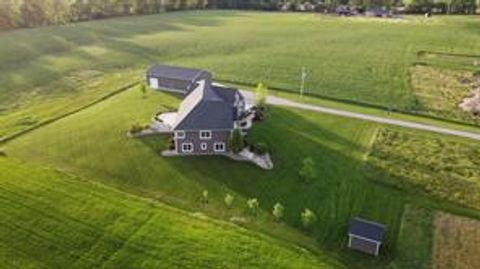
(194, 138)
(363, 245)
(169, 83)
(183, 85)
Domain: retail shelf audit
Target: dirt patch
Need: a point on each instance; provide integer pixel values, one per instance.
(441, 93)
(456, 242)
(472, 104)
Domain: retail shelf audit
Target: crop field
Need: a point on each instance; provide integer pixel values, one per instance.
(446, 168)
(367, 61)
(54, 220)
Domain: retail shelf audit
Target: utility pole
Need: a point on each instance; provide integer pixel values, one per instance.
(302, 85)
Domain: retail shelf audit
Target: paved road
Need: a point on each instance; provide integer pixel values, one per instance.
(278, 101)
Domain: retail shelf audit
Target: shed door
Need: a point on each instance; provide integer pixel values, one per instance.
(154, 83)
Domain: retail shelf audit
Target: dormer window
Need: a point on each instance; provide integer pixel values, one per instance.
(205, 134)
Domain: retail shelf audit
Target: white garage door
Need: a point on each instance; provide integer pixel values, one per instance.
(154, 83)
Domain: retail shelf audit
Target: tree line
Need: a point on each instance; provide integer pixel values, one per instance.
(404, 6)
(31, 13)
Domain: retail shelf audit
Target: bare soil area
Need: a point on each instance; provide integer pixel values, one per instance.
(456, 242)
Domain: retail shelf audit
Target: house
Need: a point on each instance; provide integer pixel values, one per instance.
(365, 236)
(378, 12)
(206, 117)
(175, 79)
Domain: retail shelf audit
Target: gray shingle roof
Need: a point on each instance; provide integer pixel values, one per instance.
(207, 108)
(367, 229)
(166, 71)
(228, 94)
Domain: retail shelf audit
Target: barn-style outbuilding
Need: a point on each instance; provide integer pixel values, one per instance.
(176, 79)
(365, 236)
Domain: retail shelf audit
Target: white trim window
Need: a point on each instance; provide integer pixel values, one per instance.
(180, 134)
(187, 147)
(205, 134)
(203, 146)
(219, 147)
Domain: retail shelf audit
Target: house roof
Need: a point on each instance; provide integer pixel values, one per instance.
(173, 72)
(230, 95)
(206, 108)
(367, 229)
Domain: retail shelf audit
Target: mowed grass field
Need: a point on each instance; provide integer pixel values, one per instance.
(53, 220)
(93, 144)
(48, 70)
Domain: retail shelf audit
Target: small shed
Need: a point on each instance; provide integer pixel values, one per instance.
(365, 236)
(176, 79)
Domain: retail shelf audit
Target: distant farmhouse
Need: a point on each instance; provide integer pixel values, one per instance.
(365, 236)
(207, 115)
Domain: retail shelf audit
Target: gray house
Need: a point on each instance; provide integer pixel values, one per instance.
(365, 236)
(206, 117)
(175, 79)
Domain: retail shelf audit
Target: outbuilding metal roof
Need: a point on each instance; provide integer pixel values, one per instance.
(174, 72)
(367, 229)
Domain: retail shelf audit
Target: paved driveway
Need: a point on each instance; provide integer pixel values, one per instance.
(278, 101)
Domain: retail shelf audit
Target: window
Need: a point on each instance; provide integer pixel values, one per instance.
(187, 147)
(219, 147)
(205, 134)
(203, 146)
(179, 134)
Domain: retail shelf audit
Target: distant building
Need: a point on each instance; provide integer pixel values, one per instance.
(378, 12)
(365, 236)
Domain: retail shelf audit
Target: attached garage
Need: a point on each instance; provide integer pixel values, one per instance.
(175, 79)
(365, 236)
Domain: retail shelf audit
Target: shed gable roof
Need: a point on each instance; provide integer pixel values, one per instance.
(173, 72)
(367, 229)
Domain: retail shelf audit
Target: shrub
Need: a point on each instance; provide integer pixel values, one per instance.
(308, 218)
(307, 172)
(205, 196)
(229, 200)
(236, 141)
(253, 205)
(171, 143)
(261, 93)
(136, 128)
(260, 148)
(278, 211)
(143, 89)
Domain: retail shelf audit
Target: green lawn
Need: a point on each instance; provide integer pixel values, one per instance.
(415, 241)
(93, 144)
(54, 220)
(48, 70)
